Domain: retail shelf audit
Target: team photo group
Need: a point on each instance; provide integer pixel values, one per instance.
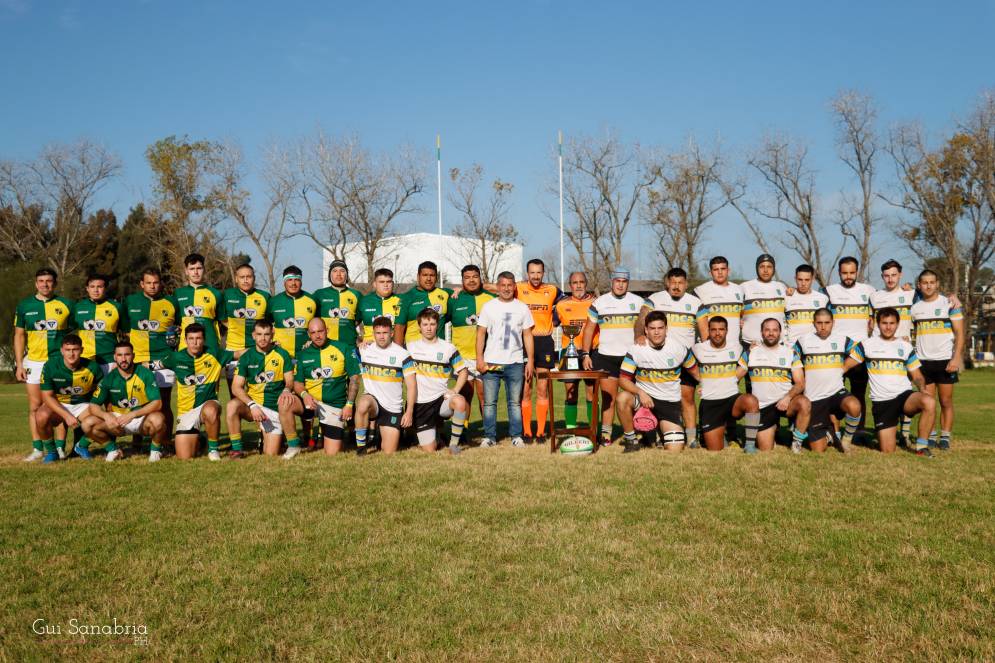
(681, 368)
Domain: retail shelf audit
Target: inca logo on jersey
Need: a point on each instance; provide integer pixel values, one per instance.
(148, 325)
(265, 377)
(295, 323)
(246, 313)
(46, 325)
(94, 325)
(194, 380)
(321, 372)
(72, 391)
(128, 403)
(193, 311)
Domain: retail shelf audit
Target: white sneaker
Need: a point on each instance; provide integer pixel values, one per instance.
(291, 452)
(155, 456)
(35, 455)
(114, 455)
(61, 451)
(214, 456)
(517, 442)
(796, 446)
(488, 442)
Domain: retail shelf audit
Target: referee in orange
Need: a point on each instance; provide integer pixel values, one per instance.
(541, 299)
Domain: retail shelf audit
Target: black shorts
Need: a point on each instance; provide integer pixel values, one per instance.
(687, 379)
(545, 351)
(771, 416)
(666, 411)
(857, 377)
(715, 413)
(935, 372)
(822, 410)
(887, 414)
(609, 363)
(386, 418)
(427, 415)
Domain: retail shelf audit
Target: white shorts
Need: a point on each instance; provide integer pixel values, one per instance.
(33, 369)
(230, 369)
(271, 424)
(190, 421)
(328, 415)
(107, 368)
(78, 409)
(164, 378)
(134, 426)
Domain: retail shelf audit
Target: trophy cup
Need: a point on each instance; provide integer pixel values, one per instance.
(570, 357)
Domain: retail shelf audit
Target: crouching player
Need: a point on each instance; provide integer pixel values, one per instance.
(261, 382)
(435, 362)
(134, 402)
(327, 381)
(890, 362)
(717, 369)
(778, 382)
(650, 376)
(67, 383)
(198, 372)
(387, 372)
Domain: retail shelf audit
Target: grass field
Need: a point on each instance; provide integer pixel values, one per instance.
(507, 554)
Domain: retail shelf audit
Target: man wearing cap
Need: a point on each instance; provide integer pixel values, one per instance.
(620, 316)
(763, 298)
(337, 304)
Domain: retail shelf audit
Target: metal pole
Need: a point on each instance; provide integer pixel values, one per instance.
(563, 283)
(438, 162)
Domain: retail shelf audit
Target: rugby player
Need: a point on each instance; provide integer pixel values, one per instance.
(291, 311)
(199, 303)
(436, 361)
(800, 306)
(719, 297)
(895, 296)
(763, 298)
(850, 303)
(262, 381)
(198, 371)
(823, 353)
(619, 315)
(98, 320)
(40, 323)
(571, 311)
(890, 362)
(541, 299)
(67, 384)
(718, 369)
(778, 380)
(505, 353)
(327, 381)
(387, 373)
(682, 309)
(133, 403)
(940, 338)
(424, 295)
(650, 376)
(338, 305)
(243, 305)
(151, 323)
(464, 311)
(381, 301)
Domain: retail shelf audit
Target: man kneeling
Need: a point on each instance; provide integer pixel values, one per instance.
(67, 384)
(198, 372)
(436, 361)
(650, 376)
(387, 372)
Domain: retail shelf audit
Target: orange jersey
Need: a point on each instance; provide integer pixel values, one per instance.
(573, 312)
(540, 301)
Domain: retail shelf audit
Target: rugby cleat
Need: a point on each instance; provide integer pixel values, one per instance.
(50, 457)
(114, 455)
(214, 456)
(82, 452)
(34, 456)
(291, 453)
(155, 456)
(925, 453)
(236, 455)
(61, 451)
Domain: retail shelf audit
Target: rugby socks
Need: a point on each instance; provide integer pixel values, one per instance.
(360, 437)
(905, 427)
(84, 442)
(850, 425)
(542, 413)
(236, 442)
(691, 435)
(629, 437)
(570, 415)
(751, 422)
(294, 442)
(158, 447)
(212, 445)
(798, 436)
(606, 428)
(527, 418)
(37, 445)
(49, 445)
(922, 443)
(111, 446)
(459, 418)
(932, 438)
(60, 444)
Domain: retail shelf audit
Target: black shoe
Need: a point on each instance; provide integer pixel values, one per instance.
(541, 439)
(528, 439)
(630, 446)
(362, 451)
(606, 441)
(925, 453)
(943, 444)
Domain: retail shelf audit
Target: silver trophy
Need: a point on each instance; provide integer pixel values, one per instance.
(570, 356)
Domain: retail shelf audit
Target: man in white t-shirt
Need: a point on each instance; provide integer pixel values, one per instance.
(505, 353)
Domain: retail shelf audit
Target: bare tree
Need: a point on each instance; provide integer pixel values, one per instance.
(356, 195)
(604, 182)
(484, 228)
(690, 191)
(790, 183)
(858, 144)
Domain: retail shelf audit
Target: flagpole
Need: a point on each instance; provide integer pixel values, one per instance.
(563, 285)
(438, 163)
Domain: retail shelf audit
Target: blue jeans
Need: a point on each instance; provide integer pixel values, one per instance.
(513, 377)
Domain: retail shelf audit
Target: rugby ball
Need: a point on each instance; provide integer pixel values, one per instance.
(576, 445)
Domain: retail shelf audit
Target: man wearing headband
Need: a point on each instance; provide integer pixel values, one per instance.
(338, 304)
(619, 315)
(291, 311)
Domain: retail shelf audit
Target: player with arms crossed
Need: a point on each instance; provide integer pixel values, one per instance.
(198, 372)
(650, 376)
(380, 302)
(850, 303)
(387, 373)
(67, 384)
(437, 360)
(890, 362)
(98, 320)
(464, 310)
(243, 305)
(424, 295)
(541, 299)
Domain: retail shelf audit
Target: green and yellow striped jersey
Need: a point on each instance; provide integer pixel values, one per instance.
(45, 322)
(463, 312)
(98, 324)
(196, 377)
(201, 304)
(414, 301)
(291, 316)
(264, 374)
(241, 310)
(148, 320)
(338, 309)
(325, 371)
(126, 394)
(71, 386)
(372, 306)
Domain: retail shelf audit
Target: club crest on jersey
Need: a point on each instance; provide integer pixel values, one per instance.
(246, 313)
(46, 325)
(778, 291)
(632, 307)
(391, 359)
(901, 352)
(901, 299)
(863, 298)
(294, 323)
(128, 403)
(193, 311)
(732, 354)
(321, 372)
(471, 319)
(670, 361)
(437, 308)
(687, 307)
(265, 377)
(833, 345)
(738, 296)
(72, 391)
(148, 325)
(780, 360)
(438, 355)
(194, 380)
(936, 312)
(94, 325)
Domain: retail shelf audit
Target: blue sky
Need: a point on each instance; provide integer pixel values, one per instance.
(495, 80)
